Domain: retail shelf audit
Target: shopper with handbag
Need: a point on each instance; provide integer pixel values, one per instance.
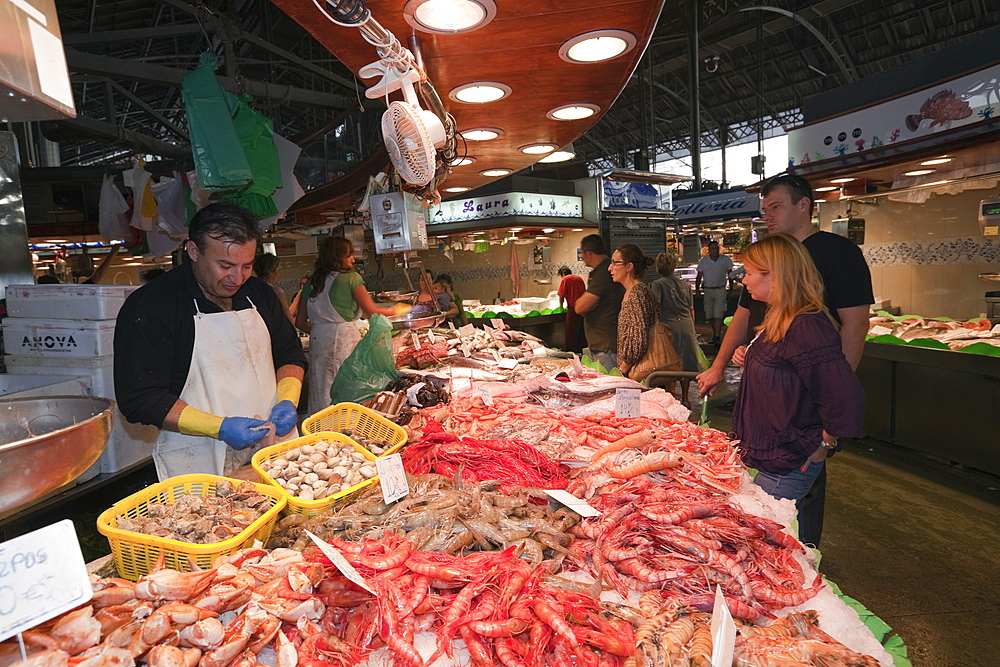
(641, 349)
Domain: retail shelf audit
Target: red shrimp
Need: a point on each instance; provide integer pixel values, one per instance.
(669, 514)
(646, 464)
(636, 440)
(505, 628)
(507, 653)
(555, 620)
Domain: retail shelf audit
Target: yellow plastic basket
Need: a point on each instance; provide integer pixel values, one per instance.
(309, 507)
(134, 553)
(364, 421)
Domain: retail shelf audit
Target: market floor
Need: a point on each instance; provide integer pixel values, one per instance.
(915, 541)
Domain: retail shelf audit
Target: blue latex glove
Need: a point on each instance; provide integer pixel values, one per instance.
(241, 432)
(284, 416)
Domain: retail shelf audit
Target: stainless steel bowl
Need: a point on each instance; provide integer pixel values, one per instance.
(398, 296)
(416, 320)
(47, 442)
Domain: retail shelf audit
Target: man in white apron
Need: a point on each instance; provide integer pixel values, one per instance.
(206, 353)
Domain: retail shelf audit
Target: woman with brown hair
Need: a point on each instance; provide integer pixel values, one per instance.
(639, 310)
(798, 394)
(335, 296)
(676, 309)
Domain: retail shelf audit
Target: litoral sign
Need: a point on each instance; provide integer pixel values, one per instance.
(717, 206)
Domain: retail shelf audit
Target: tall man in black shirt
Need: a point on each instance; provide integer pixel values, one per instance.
(206, 354)
(787, 208)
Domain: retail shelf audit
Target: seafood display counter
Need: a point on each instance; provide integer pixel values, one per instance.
(938, 402)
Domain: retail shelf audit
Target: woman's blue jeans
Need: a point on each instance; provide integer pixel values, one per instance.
(794, 485)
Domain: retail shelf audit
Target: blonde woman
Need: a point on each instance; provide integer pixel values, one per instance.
(798, 394)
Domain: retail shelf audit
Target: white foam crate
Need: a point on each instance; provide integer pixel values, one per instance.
(67, 302)
(128, 443)
(27, 337)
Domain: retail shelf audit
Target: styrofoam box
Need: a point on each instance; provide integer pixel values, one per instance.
(67, 302)
(25, 337)
(128, 443)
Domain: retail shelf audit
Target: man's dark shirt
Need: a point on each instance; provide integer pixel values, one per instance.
(601, 324)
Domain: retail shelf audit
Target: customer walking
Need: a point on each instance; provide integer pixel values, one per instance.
(714, 270)
(571, 287)
(799, 393)
(676, 309)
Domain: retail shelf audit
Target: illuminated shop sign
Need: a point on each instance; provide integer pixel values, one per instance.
(717, 206)
(526, 204)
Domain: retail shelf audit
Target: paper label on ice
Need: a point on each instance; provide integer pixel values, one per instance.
(486, 395)
(723, 632)
(451, 325)
(507, 364)
(42, 574)
(496, 355)
(578, 505)
(341, 563)
(466, 352)
(879, 330)
(392, 477)
(497, 323)
(414, 339)
(627, 402)
(431, 338)
(466, 330)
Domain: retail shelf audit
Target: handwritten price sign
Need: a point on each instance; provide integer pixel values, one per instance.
(627, 403)
(42, 574)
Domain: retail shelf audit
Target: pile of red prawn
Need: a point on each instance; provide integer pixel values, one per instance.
(684, 541)
(511, 462)
(495, 603)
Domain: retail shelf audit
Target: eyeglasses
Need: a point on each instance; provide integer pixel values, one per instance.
(615, 261)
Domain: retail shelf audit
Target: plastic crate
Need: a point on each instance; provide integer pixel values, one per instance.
(308, 507)
(135, 553)
(365, 421)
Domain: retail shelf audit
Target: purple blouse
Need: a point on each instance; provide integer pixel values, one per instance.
(791, 391)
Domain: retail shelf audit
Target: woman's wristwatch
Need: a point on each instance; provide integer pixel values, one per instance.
(828, 445)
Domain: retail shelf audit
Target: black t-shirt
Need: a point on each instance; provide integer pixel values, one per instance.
(846, 277)
(601, 324)
(154, 340)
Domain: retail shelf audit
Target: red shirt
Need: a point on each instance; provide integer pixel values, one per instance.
(571, 288)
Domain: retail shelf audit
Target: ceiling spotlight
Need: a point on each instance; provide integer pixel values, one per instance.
(481, 133)
(515, 229)
(918, 172)
(577, 229)
(497, 172)
(548, 230)
(937, 160)
(818, 201)
(462, 161)
(480, 92)
(827, 188)
(457, 189)
(842, 180)
(537, 149)
(573, 111)
(597, 46)
(947, 180)
(449, 17)
(561, 155)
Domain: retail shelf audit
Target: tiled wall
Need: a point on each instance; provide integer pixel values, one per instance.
(927, 257)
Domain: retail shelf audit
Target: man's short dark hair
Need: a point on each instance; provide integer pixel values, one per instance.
(797, 186)
(713, 243)
(564, 271)
(594, 243)
(224, 221)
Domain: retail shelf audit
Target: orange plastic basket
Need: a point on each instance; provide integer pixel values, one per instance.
(135, 553)
(358, 418)
(309, 507)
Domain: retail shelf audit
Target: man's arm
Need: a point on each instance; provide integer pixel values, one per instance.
(586, 303)
(736, 333)
(853, 329)
(697, 281)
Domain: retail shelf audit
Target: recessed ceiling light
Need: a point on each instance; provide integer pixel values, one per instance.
(457, 189)
(481, 133)
(947, 180)
(819, 200)
(548, 230)
(516, 229)
(540, 237)
(560, 155)
(537, 149)
(56, 241)
(596, 46)
(449, 17)
(497, 172)
(842, 180)
(826, 188)
(480, 92)
(937, 160)
(578, 229)
(918, 172)
(573, 111)
(462, 161)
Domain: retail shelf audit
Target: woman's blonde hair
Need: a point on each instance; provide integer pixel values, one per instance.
(796, 286)
(666, 262)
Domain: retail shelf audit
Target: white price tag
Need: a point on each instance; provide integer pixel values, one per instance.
(496, 355)
(578, 505)
(466, 352)
(723, 632)
(497, 323)
(879, 330)
(392, 477)
(431, 338)
(338, 559)
(451, 325)
(414, 339)
(485, 393)
(42, 574)
(627, 403)
(507, 364)
(575, 364)
(466, 330)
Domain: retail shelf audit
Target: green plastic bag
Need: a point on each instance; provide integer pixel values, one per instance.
(369, 368)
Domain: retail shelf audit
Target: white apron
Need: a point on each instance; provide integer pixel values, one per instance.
(231, 375)
(331, 341)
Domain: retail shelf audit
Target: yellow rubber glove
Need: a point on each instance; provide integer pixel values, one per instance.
(289, 389)
(193, 421)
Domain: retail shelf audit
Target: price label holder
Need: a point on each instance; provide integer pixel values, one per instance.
(627, 402)
(485, 393)
(507, 364)
(496, 355)
(723, 632)
(578, 505)
(338, 559)
(42, 574)
(392, 477)
(451, 325)
(575, 364)
(466, 352)
(466, 330)
(431, 338)
(414, 339)
(879, 330)
(497, 323)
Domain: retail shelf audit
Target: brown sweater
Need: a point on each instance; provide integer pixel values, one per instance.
(639, 312)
